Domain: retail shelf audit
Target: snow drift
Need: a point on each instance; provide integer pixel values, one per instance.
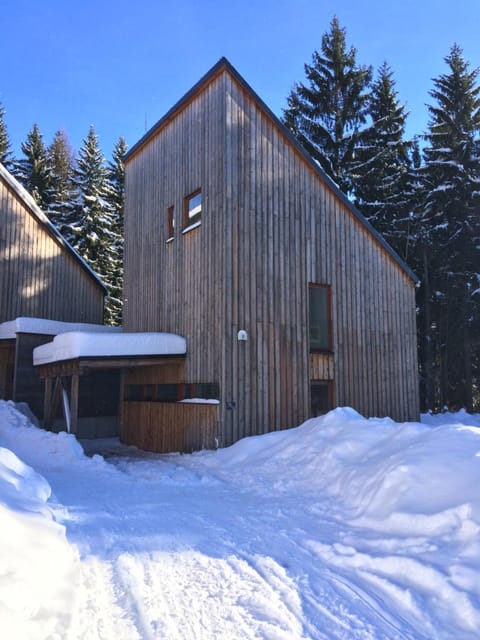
(38, 568)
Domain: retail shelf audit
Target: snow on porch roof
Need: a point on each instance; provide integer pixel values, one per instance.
(81, 344)
(42, 326)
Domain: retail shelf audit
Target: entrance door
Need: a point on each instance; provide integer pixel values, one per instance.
(321, 400)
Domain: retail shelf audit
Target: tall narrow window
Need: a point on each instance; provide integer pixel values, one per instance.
(319, 318)
(170, 223)
(192, 209)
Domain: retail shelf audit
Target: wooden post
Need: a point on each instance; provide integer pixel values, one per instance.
(74, 389)
(47, 403)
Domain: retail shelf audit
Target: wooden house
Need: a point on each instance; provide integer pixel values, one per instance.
(289, 301)
(40, 276)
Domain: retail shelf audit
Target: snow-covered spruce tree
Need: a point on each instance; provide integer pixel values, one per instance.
(91, 224)
(33, 170)
(381, 164)
(62, 162)
(327, 113)
(5, 145)
(451, 231)
(418, 257)
(116, 198)
(412, 195)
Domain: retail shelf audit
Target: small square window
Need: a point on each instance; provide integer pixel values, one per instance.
(193, 209)
(170, 222)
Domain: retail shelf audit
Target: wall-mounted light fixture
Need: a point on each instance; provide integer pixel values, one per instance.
(242, 335)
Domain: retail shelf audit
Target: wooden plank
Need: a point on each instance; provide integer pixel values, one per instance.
(48, 409)
(74, 393)
(85, 365)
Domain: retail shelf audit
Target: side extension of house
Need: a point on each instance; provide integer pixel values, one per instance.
(40, 276)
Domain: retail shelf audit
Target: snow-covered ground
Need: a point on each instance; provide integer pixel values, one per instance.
(342, 528)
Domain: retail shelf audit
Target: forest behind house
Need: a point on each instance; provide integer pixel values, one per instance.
(421, 194)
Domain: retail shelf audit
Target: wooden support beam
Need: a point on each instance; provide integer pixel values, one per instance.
(74, 391)
(56, 397)
(85, 365)
(47, 403)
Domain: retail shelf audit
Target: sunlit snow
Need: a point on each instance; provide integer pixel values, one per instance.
(342, 528)
(79, 344)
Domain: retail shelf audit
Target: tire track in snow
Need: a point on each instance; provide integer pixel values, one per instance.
(325, 609)
(99, 613)
(187, 595)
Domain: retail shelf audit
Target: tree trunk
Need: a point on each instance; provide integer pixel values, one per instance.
(467, 354)
(427, 329)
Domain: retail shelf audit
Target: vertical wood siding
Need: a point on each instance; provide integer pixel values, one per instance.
(168, 427)
(270, 225)
(322, 366)
(38, 277)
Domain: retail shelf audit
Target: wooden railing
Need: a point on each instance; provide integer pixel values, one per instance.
(166, 427)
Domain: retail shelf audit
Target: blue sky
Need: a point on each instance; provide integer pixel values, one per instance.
(121, 64)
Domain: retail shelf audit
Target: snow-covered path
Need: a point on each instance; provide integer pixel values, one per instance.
(168, 553)
(343, 528)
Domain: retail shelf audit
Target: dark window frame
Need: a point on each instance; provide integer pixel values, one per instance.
(197, 219)
(329, 347)
(172, 391)
(171, 223)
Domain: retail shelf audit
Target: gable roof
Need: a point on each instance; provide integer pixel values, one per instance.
(33, 208)
(224, 65)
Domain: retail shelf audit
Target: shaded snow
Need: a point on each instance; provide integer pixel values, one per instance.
(39, 569)
(342, 528)
(8, 330)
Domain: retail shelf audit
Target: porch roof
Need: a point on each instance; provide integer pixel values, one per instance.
(44, 326)
(76, 345)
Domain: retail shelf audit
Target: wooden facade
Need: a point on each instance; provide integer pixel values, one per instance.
(40, 274)
(271, 224)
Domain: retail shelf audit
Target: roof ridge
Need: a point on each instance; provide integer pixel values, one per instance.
(224, 63)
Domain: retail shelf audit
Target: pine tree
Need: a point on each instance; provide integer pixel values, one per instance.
(91, 223)
(33, 170)
(62, 162)
(5, 146)
(451, 221)
(114, 279)
(381, 164)
(413, 198)
(328, 112)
